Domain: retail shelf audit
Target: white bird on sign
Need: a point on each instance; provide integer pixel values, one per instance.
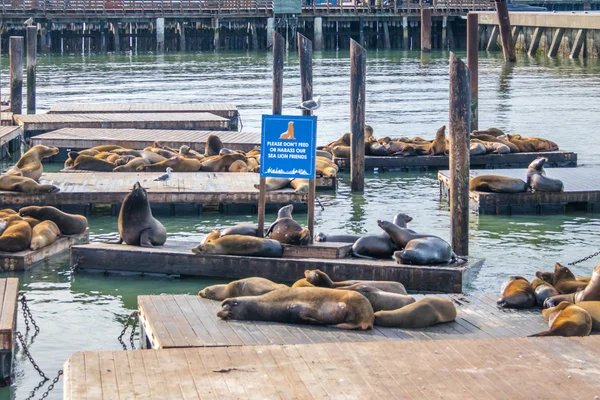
(311, 104)
(165, 177)
(28, 22)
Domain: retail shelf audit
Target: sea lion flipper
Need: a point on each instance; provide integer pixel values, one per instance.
(145, 238)
(355, 254)
(270, 229)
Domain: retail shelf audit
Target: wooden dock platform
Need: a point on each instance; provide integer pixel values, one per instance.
(176, 258)
(4, 100)
(9, 292)
(68, 139)
(25, 259)
(6, 119)
(178, 321)
(581, 193)
(35, 124)
(521, 368)
(8, 144)
(488, 161)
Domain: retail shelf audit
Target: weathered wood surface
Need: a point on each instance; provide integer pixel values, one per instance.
(171, 321)
(473, 65)
(426, 30)
(358, 85)
(16, 49)
(4, 99)
(520, 368)
(25, 259)
(513, 160)
(8, 133)
(32, 32)
(331, 250)
(225, 110)
(6, 119)
(581, 192)
(39, 123)
(508, 45)
(9, 292)
(175, 257)
(80, 138)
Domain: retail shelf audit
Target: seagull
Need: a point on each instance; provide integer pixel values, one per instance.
(311, 105)
(165, 177)
(28, 22)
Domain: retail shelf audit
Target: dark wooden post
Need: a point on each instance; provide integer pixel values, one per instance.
(306, 81)
(15, 50)
(460, 113)
(278, 52)
(426, 30)
(508, 45)
(473, 64)
(358, 80)
(31, 66)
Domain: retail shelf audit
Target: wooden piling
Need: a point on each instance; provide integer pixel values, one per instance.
(459, 155)
(182, 44)
(535, 41)
(305, 51)
(15, 50)
(508, 46)
(473, 64)
(358, 80)
(405, 39)
(578, 45)
(426, 30)
(31, 67)
(493, 41)
(386, 36)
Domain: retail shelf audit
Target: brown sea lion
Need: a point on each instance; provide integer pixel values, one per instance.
(253, 165)
(7, 212)
(177, 163)
(13, 183)
(32, 221)
(425, 312)
(537, 179)
(495, 132)
(567, 319)
(105, 147)
(162, 152)
(548, 276)
(300, 185)
(238, 166)
(591, 292)
(564, 280)
(497, 184)
(132, 165)
(302, 283)
(516, 292)
(321, 279)
(241, 229)
(221, 163)
(213, 146)
(531, 144)
(543, 290)
(16, 235)
(44, 234)
(493, 139)
(592, 308)
(380, 299)
(214, 234)
(343, 309)
(30, 163)
(438, 146)
(286, 230)
(477, 149)
(104, 155)
(341, 151)
(68, 224)
(324, 154)
(240, 245)
(272, 184)
(137, 226)
(243, 287)
(89, 163)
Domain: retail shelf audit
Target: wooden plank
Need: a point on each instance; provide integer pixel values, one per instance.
(8, 316)
(330, 250)
(226, 110)
(8, 133)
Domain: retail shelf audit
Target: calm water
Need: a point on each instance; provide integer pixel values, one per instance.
(556, 99)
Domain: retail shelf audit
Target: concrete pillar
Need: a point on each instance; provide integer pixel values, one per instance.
(182, 45)
(216, 28)
(43, 42)
(405, 33)
(254, 36)
(426, 30)
(578, 45)
(270, 26)
(556, 39)
(386, 36)
(361, 31)
(103, 36)
(318, 34)
(160, 35)
(535, 41)
(116, 37)
(444, 33)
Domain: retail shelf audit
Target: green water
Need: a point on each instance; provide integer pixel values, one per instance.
(406, 95)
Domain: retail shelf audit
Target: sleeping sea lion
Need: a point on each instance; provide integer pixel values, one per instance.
(30, 163)
(274, 184)
(89, 163)
(425, 312)
(105, 147)
(531, 144)
(564, 280)
(215, 234)
(477, 149)
(548, 276)
(302, 283)
(543, 290)
(13, 183)
(380, 299)
(321, 279)
(516, 292)
(567, 319)
(241, 229)
(287, 231)
(238, 166)
(537, 179)
(132, 165)
(68, 224)
(379, 246)
(44, 234)
(591, 292)
(341, 151)
(16, 235)
(343, 309)
(176, 163)
(137, 226)
(592, 308)
(243, 287)
(221, 163)
(300, 185)
(32, 221)
(497, 184)
(240, 245)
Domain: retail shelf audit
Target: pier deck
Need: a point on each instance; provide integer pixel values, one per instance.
(9, 292)
(522, 368)
(175, 257)
(175, 321)
(25, 259)
(581, 193)
(68, 139)
(8, 133)
(40, 123)
(425, 163)
(6, 119)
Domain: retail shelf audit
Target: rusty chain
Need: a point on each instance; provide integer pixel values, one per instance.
(133, 316)
(27, 316)
(28, 354)
(585, 258)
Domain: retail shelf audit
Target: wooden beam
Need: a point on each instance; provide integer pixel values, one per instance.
(15, 50)
(578, 45)
(473, 64)
(556, 40)
(493, 42)
(535, 41)
(32, 32)
(426, 30)
(358, 80)
(508, 45)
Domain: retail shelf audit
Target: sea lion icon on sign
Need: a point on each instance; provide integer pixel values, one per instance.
(289, 134)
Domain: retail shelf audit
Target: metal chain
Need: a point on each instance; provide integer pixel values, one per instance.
(134, 316)
(585, 258)
(51, 386)
(28, 354)
(27, 316)
(75, 265)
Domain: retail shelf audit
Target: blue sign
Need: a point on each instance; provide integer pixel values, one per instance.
(288, 147)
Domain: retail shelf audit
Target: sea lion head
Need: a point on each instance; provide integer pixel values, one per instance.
(562, 273)
(213, 292)
(347, 138)
(285, 211)
(203, 248)
(224, 151)
(73, 155)
(402, 219)
(49, 189)
(320, 237)
(546, 276)
(384, 224)
(230, 308)
(318, 278)
(538, 164)
(29, 211)
(184, 149)
(138, 192)
(368, 131)
(441, 133)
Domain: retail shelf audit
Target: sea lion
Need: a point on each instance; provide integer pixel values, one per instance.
(592, 308)
(425, 312)
(379, 246)
(438, 146)
(241, 229)
(177, 164)
(32, 221)
(137, 226)
(300, 185)
(242, 287)
(240, 245)
(103, 155)
(564, 280)
(302, 283)
(163, 152)
(567, 319)
(490, 131)
(274, 184)
(497, 184)
(30, 163)
(13, 183)
(238, 166)
(214, 234)
(321, 279)
(7, 212)
(105, 147)
(537, 179)
(89, 163)
(44, 234)
(221, 163)
(286, 230)
(343, 309)
(121, 160)
(516, 292)
(493, 139)
(380, 299)
(324, 154)
(68, 224)
(323, 237)
(213, 146)
(591, 292)
(341, 151)
(132, 165)
(16, 235)
(477, 149)
(548, 276)
(543, 290)
(531, 144)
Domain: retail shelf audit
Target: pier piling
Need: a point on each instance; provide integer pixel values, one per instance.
(426, 30)
(318, 33)
(160, 35)
(31, 67)
(473, 65)
(460, 114)
(405, 40)
(444, 32)
(182, 44)
(16, 74)
(358, 80)
(508, 45)
(116, 37)
(556, 40)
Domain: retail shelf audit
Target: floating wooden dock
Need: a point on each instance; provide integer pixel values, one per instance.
(177, 321)
(40, 123)
(232, 192)
(8, 144)
(68, 139)
(9, 292)
(25, 259)
(4, 99)
(521, 368)
(175, 257)
(425, 163)
(6, 119)
(581, 193)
